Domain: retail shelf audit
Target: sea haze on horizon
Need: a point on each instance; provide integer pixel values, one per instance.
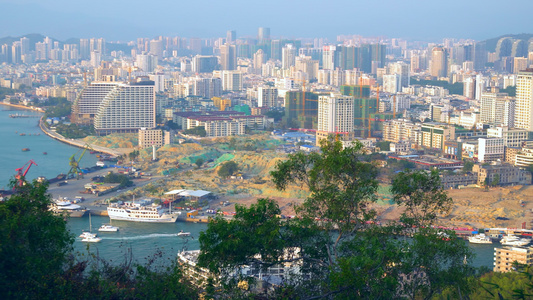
(409, 19)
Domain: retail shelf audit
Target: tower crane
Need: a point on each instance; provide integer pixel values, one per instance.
(22, 174)
(75, 163)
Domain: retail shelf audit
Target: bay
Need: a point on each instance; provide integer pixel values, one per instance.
(138, 240)
(11, 143)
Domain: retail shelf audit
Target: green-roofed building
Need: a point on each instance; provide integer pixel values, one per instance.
(243, 108)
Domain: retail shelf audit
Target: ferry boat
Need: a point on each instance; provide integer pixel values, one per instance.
(513, 240)
(480, 239)
(143, 211)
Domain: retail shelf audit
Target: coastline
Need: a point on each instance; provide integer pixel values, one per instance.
(33, 108)
(76, 143)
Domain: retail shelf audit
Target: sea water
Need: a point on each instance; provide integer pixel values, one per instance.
(54, 162)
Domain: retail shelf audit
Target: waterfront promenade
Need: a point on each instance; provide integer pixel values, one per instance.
(76, 143)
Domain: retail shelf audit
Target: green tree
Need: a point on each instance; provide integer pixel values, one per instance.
(35, 243)
(133, 154)
(199, 162)
(496, 180)
(435, 257)
(511, 90)
(421, 194)
(198, 130)
(468, 165)
(383, 145)
(227, 169)
(335, 241)
(122, 179)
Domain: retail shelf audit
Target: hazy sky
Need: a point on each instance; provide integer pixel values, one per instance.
(125, 20)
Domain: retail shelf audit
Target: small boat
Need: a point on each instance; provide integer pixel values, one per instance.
(89, 237)
(45, 153)
(22, 134)
(25, 149)
(512, 240)
(86, 234)
(480, 239)
(181, 233)
(108, 228)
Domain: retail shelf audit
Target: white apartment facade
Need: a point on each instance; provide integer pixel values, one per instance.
(490, 149)
(524, 100)
(127, 108)
(335, 116)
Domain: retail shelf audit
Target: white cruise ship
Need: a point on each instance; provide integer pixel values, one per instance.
(144, 211)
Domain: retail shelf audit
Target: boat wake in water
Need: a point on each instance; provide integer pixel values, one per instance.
(141, 237)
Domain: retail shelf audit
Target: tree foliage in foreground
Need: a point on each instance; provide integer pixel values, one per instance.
(335, 241)
(34, 242)
(37, 262)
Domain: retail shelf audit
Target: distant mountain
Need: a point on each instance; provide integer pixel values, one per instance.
(491, 43)
(34, 38)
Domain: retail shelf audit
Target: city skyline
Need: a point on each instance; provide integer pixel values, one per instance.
(413, 20)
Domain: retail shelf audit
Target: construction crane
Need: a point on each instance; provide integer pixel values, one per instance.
(394, 107)
(75, 163)
(22, 174)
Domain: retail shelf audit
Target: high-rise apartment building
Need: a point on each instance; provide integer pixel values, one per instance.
(335, 117)
(127, 108)
(259, 59)
(86, 104)
(263, 35)
(308, 66)
(204, 64)
(524, 100)
(207, 87)
(24, 46)
(439, 62)
(231, 36)
(228, 57)
(146, 62)
(519, 64)
(231, 80)
(85, 50)
(156, 48)
(288, 56)
(329, 57)
(97, 45)
(96, 58)
(400, 130)
(497, 109)
(267, 96)
(403, 70)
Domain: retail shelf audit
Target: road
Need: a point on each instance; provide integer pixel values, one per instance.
(76, 143)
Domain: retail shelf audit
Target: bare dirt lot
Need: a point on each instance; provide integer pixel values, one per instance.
(255, 155)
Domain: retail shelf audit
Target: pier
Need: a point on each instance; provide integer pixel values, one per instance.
(23, 116)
